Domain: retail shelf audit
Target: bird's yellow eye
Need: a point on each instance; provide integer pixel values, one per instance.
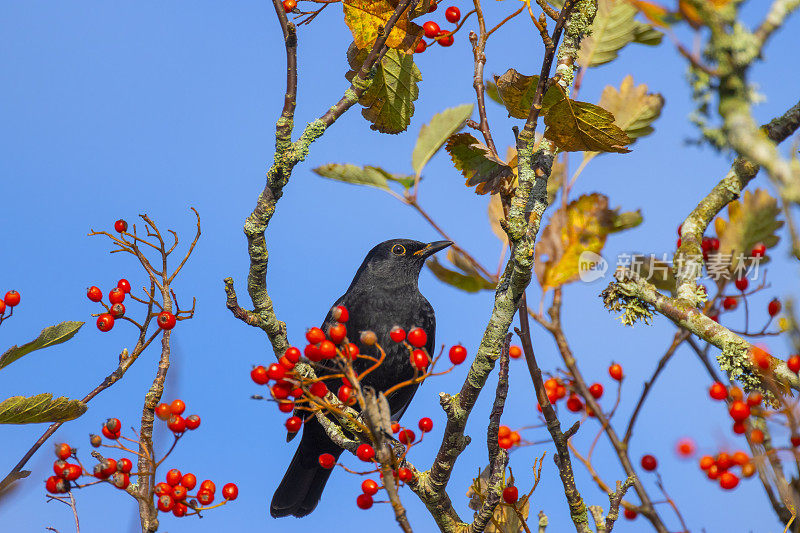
(398, 249)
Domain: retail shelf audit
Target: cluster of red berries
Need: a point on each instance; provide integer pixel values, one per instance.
(172, 493)
(711, 244)
(718, 468)
(116, 472)
(556, 390)
(116, 309)
(172, 413)
(11, 299)
(433, 31)
(506, 438)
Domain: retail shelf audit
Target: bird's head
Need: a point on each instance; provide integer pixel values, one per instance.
(398, 261)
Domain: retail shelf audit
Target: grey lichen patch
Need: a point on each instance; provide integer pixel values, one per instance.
(617, 298)
(734, 359)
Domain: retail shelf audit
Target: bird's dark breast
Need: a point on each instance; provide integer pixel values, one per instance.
(379, 311)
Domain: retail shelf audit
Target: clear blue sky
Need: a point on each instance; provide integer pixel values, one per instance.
(110, 109)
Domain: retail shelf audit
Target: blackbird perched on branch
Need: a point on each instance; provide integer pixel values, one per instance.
(384, 293)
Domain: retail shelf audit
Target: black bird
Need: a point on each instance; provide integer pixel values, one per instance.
(384, 293)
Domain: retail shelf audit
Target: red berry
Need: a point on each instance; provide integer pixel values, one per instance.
(397, 334)
(162, 488)
(718, 391)
(327, 349)
(729, 303)
(458, 354)
(405, 474)
(125, 465)
(58, 467)
(760, 357)
(206, 497)
(758, 250)
(63, 451)
(189, 481)
(365, 452)
(312, 352)
(166, 320)
(728, 480)
(649, 462)
(421, 46)
(177, 407)
(757, 436)
(165, 503)
(120, 225)
(326, 461)
(173, 477)
(739, 410)
(341, 314)
(574, 403)
(795, 440)
(740, 458)
(179, 509)
(117, 310)
(285, 363)
(685, 447)
(364, 501)
(176, 424)
(293, 424)
(794, 363)
(452, 14)
(742, 284)
(94, 293)
(230, 491)
(425, 424)
(281, 390)
(110, 433)
(318, 388)
(395, 427)
(259, 375)
(208, 485)
(630, 514)
(116, 295)
(192, 422)
(315, 335)
(596, 390)
(406, 436)
(714, 244)
(510, 495)
(337, 333)
(108, 467)
(739, 428)
(431, 29)
(515, 352)
(179, 493)
(447, 40)
(369, 487)
(345, 395)
(754, 399)
(706, 462)
(774, 307)
(124, 285)
(615, 371)
(293, 355)
(419, 359)
(417, 337)
(505, 443)
(55, 485)
(276, 372)
(105, 322)
(72, 472)
(678, 244)
(680, 229)
(284, 406)
(289, 5)
(351, 351)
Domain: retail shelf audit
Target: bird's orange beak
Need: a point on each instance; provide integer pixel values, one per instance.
(433, 247)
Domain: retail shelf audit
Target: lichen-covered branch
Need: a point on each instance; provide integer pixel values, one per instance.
(690, 255)
(630, 290)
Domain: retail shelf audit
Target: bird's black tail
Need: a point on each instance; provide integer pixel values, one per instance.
(302, 485)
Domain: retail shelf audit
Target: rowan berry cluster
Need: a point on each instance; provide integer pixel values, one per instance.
(9, 302)
(173, 494)
(115, 309)
(558, 388)
(294, 392)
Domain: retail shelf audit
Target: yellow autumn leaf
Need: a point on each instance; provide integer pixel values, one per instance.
(366, 17)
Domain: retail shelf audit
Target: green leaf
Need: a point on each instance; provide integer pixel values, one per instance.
(753, 219)
(457, 279)
(368, 175)
(477, 164)
(435, 133)
(634, 109)
(39, 408)
(389, 101)
(614, 27)
(517, 92)
(580, 126)
(49, 336)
